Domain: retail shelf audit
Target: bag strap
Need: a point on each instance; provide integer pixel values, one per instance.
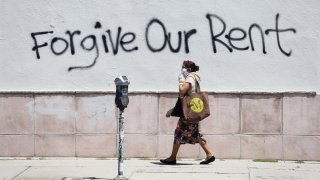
(197, 88)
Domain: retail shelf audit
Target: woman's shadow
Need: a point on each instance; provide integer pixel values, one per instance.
(177, 164)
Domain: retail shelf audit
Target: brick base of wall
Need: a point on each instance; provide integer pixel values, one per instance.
(282, 126)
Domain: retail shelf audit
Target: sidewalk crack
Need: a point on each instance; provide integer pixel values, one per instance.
(28, 167)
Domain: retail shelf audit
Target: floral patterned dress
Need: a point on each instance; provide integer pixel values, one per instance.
(186, 132)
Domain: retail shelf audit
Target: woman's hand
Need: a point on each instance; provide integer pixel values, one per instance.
(183, 89)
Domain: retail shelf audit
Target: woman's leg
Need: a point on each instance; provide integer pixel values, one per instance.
(210, 157)
(173, 156)
(175, 149)
(178, 135)
(205, 147)
(172, 159)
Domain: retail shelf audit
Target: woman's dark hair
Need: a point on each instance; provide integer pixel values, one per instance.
(191, 65)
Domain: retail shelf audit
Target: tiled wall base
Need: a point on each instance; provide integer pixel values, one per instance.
(255, 126)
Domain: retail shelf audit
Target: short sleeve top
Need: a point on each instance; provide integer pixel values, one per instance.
(191, 78)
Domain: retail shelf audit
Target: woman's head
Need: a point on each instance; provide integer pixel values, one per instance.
(190, 66)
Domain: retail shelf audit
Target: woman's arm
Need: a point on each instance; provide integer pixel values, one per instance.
(183, 88)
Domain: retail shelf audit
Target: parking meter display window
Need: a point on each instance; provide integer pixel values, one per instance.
(122, 99)
(124, 89)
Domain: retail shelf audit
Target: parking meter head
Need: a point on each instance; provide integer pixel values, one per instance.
(122, 99)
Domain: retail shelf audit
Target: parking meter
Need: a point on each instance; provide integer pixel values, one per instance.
(122, 99)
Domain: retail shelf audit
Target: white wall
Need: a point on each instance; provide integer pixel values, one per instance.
(241, 70)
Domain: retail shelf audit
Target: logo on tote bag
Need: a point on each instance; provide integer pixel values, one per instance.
(196, 105)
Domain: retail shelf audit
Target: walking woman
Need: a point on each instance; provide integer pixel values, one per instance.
(188, 132)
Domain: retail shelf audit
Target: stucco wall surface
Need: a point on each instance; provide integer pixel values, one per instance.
(79, 45)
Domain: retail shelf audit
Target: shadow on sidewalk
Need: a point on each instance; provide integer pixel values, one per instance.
(83, 178)
(178, 164)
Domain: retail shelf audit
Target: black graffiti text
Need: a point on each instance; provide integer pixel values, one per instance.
(111, 43)
(167, 38)
(231, 38)
(159, 38)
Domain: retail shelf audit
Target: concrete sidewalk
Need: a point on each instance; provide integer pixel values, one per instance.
(140, 169)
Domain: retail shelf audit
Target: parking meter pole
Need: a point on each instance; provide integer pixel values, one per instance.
(121, 145)
(122, 101)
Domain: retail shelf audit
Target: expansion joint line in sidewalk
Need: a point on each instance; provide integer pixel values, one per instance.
(28, 167)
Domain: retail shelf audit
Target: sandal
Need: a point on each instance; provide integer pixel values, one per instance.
(208, 161)
(168, 162)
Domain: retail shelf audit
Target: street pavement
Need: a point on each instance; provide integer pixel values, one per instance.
(152, 169)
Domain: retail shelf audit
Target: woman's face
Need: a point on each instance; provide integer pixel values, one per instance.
(184, 67)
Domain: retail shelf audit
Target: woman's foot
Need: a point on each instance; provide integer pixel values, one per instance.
(208, 160)
(169, 161)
